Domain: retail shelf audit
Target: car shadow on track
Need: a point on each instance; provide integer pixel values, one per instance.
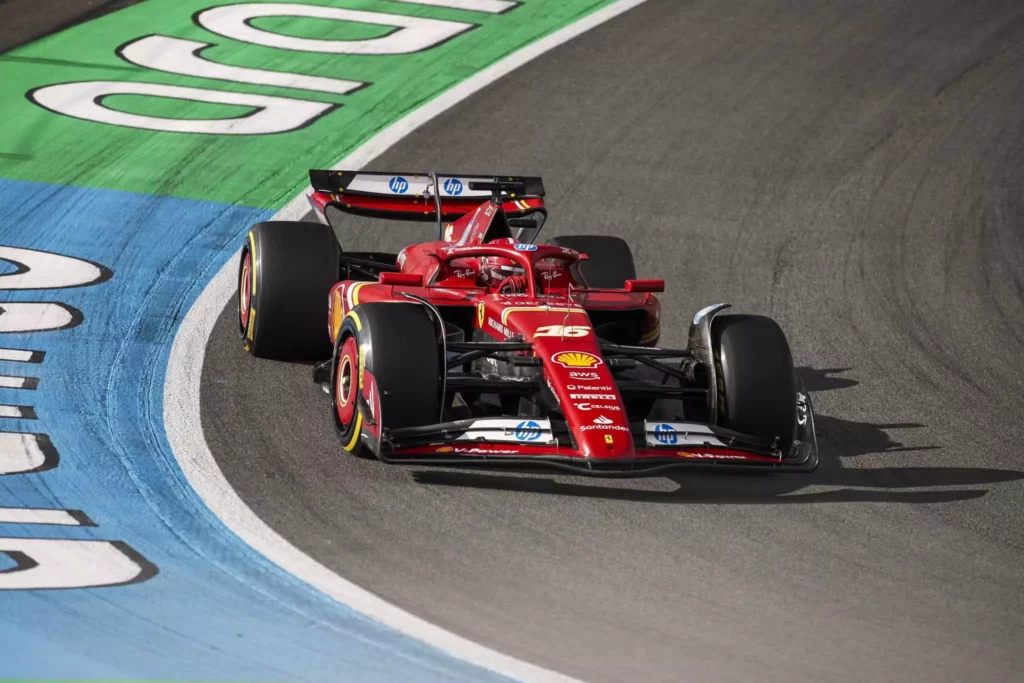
(837, 439)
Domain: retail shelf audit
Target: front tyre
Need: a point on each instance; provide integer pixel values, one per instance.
(756, 382)
(387, 374)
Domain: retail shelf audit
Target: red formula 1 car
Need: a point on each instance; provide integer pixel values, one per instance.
(483, 348)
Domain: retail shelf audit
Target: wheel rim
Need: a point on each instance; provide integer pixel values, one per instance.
(346, 383)
(244, 293)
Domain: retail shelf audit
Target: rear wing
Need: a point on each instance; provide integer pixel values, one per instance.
(410, 196)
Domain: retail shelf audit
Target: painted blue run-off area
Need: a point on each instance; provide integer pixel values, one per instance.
(217, 610)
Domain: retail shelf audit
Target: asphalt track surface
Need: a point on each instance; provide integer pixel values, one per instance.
(22, 21)
(853, 169)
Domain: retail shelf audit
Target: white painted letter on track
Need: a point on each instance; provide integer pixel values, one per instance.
(268, 115)
(409, 34)
(184, 57)
(43, 270)
(51, 563)
(19, 316)
(24, 453)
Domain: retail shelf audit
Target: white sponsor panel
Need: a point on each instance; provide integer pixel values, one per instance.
(178, 56)
(413, 34)
(417, 185)
(515, 430)
(267, 115)
(680, 434)
(51, 563)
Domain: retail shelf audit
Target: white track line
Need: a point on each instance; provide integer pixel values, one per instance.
(184, 370)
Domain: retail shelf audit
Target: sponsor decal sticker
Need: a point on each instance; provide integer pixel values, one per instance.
(590, 406)
(480, 315)
(398, 184)
(609, 439)
(711, 456)
(519, 246)
(528, 430)
(581, 376)
(665, 434)
(602, 420)
(583, 387)
(576, 359)
(453, 186)
(614, 428)
(596, 397)
(501, 329)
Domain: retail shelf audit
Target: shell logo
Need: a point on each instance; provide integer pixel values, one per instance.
(445, 449)
(576, 359)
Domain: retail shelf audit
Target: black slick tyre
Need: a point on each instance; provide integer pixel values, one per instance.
(609, 260)
(285, 274)
(387, 373)
(756, 382)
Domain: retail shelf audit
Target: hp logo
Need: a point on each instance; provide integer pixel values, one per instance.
(665, 434)
(398, 184)
(453, 186)
(528, 431)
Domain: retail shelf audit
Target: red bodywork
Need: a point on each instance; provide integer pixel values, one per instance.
(551, 314)
(550, 309)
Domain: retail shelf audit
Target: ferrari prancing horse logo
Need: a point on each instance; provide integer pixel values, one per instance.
(480, 315)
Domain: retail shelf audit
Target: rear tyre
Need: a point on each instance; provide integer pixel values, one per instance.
(284, 277)
(756, 383)
(609, 260)
(387, 373)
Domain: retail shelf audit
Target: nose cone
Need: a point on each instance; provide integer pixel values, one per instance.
(590, 401)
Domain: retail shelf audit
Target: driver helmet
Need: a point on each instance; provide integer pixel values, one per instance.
(495, 269)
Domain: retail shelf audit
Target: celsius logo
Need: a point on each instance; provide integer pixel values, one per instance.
(453, 186)
(398, 184)
(665, 434)
(528, 431)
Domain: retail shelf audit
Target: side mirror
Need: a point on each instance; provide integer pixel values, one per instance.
(407, 279)
(645, 285)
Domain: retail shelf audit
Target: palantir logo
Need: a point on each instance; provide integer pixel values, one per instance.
(665, 434)
(453, 186)
(398, 184)
(528, 431)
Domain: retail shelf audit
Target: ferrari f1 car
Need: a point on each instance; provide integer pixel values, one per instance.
(484, 348)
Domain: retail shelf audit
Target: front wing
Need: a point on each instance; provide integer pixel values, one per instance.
(662, 447)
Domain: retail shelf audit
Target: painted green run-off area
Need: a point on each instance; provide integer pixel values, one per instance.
(265, 170)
